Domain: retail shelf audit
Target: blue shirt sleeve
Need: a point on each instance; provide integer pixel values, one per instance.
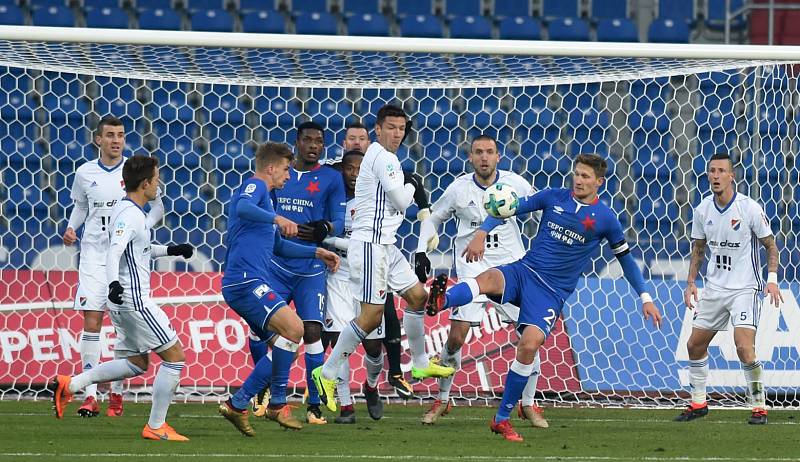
(335, 208)
(288, 249)
(527, 204)
(248, 208)
(616, 239)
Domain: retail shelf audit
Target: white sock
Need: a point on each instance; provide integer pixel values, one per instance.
(116, 387)
(414, 324)
(374, 368)
(167, 378)
(452, 359)
(529, 392)
(698, 373)
(343, 386)
(349, 339)
(116, 369)
(90, 358)
(755, 387)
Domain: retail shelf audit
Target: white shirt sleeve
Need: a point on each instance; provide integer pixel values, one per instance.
(698, 231)
(123, 229)
(388, 171)
(81, 203)
(759, 223)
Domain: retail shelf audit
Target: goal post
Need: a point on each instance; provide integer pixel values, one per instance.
(202, 101)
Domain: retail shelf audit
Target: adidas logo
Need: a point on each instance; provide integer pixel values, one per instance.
(709, 223)
(472, 203)
(94, 184)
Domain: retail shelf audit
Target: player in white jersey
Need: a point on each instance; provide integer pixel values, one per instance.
(382, 194)
(728, 223)
(140, 324)
(97, 187)
(341, 307)
(463, 199)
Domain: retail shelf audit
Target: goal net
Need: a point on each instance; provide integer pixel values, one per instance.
(202, 102)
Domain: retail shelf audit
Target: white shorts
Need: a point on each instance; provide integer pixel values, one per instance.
(717, 307)
(376, 269)
(92, 290)
(341, 308)
(473, 312)
(142, 331)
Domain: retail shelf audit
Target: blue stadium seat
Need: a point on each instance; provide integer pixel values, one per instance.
(369, 62)
(413, 7)
(246, 6)
(569, 29)
(107, 17)
(463, 8)
(159, 19)
(617, 30)
(709, 119)
(470, 27)
(11, 15)
(683, 10)
(541, 131)
(589, 127)
(53, 16)
(520, 28)
(93, 4)
(609, 9)
(70, 141)
(657, 211)
(668, 31)
(505, 8)
(263, 22)
(372, 24)
(222, 107)
(580, 96)
(715, 14)
(560, 8)
(194, 5)
(277, 111)
(421, 26)
(212, 21)
(309, 6)
(142, 5)
(16, 105)
(316, 23)
(361, 6)
(320, 64)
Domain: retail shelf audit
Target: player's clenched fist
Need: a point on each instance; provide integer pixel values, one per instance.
(115, 291)
(70, 237)
(288, 227)
(330, 259)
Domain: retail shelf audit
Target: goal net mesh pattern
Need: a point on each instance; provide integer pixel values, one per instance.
(202, 111)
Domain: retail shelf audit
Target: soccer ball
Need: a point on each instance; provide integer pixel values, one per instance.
(500, 200)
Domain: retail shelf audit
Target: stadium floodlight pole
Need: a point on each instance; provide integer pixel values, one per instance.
(398, 44)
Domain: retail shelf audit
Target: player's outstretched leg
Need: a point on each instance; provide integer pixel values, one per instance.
(347, 413)
(164, 385)
(528, 410)
(234, 410)
(90, 358)
(59, 386)
(283, 353)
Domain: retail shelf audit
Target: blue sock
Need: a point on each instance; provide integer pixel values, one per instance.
(258, 348)
(458, 295)
(282, 359)
(256, 381)
(314, 357)
(515, 383)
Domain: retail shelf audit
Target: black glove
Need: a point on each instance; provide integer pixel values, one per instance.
(184, 250)
(420, 195)
(115, 292)
(314, 231)
(422, 266)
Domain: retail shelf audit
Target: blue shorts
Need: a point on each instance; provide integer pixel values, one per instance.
(538, 305)
(255, 301)
(307, 292)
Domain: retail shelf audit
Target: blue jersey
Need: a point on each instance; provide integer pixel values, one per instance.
(317, 194)
(570, 233)
(250, 243)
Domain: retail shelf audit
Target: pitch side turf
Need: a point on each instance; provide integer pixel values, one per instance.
(31, 433)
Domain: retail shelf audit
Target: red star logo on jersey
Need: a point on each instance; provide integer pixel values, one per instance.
(588, 223)
(271, 296)
(313, 187)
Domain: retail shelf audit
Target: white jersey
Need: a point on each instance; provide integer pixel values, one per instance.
(343, 272)
(129, 255)
(97, 188)
(463, 199)
(732, 235)
(376, 219)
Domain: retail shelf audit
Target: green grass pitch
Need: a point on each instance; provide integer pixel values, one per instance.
(31, 433)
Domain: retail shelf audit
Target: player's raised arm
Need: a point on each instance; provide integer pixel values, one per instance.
(248, 209)
(288, 249)
(632, 272)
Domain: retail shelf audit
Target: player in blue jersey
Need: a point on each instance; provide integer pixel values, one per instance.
(314, 198)
(248, 288)
(573, 224)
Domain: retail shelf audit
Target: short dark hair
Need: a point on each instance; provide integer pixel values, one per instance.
(352, 152)
(595, 162)
(358, 125)
(390, 110)
(107, 121)
(483, 137)
(309, 125)
(137, 169)
(722, 156)
(270, 153)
